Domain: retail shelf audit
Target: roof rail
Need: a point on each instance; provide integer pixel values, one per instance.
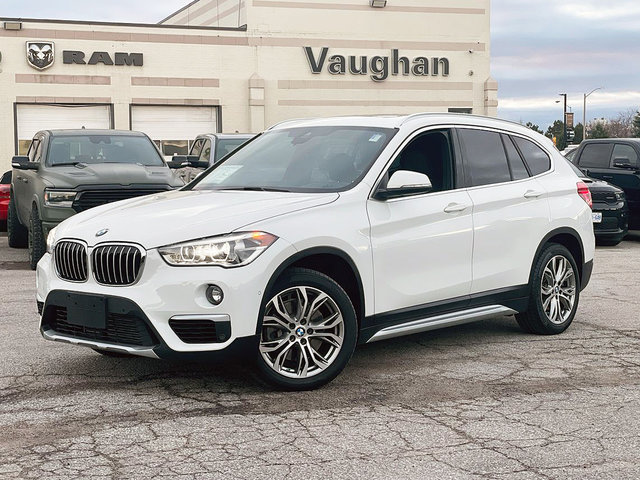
(466, 115)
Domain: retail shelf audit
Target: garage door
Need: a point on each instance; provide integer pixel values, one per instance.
(33, 118)
(173, 128)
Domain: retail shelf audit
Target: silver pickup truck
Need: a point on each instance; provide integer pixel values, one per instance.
(69, 171)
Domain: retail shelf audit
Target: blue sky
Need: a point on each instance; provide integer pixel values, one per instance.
(539, 49)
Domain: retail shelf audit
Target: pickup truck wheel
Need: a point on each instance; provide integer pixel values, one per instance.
(555, 291)
(309, 331)
(37, 242)
(16, 233)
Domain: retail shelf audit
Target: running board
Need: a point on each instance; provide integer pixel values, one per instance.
(441, 321)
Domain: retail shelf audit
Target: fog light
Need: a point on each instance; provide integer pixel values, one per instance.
(214, 294)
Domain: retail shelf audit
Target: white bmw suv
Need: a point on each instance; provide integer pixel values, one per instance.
(319, 235)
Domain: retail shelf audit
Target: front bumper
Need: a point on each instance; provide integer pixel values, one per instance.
(162, 296)
(615, 221)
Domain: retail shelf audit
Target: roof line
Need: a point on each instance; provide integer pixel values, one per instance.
(178, 11)
(242, 28)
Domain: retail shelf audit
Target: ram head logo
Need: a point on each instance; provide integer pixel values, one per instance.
(40, 54)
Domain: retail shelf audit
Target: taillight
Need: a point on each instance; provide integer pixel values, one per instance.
(584, 193)
(5, 192)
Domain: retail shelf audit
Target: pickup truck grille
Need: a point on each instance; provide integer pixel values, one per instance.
(94, 198)
(70, 259)
(117, 265)
(604, 197)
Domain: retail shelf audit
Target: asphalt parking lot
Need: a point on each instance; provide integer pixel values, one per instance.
(476, 401)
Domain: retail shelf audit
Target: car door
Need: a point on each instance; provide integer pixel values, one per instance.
(626, 178)
(422, 244)
(23, 182)
(510, 207)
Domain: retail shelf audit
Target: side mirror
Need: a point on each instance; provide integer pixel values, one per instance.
(199, 163)
(622, 162)
(403, 183)
(173, 164)
(21, 162)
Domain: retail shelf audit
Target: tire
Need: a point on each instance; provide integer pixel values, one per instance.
(552, 305)
(108, 353)
(305, 350)
(37, 242)
(16, 232)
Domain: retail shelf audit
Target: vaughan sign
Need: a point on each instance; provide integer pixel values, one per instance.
(377, 67)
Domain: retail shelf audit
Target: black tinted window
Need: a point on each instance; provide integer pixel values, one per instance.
(485, 158)
(596, 155)
(518, 168)
(6, 178)
(536, 158)
(624, 154)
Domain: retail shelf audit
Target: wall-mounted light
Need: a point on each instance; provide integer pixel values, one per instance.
(378, 3)
(13, 25)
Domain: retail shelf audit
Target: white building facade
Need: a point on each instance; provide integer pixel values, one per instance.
(242, 65)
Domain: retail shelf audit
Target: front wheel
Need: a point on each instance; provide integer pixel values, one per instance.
(16, 232)
(555, 291)
(37, 242)
(309, 331)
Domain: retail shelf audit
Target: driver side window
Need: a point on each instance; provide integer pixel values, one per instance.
(430, 154)
(34, 150)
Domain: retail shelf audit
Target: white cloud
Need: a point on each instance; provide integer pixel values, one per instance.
(620, 99)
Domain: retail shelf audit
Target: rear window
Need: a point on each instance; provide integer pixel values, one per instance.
(225, 146)
(92, 149)
(536, 158)
(6, 178)
(485, 157)
(596, 155)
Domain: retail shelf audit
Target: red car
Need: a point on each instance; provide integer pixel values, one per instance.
(5, 188)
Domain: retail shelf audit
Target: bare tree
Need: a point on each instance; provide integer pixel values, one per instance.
(622, 125)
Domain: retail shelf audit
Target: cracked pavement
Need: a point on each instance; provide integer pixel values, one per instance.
(477, 401)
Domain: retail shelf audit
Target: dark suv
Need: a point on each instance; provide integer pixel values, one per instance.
(615, 160)
(69, 171)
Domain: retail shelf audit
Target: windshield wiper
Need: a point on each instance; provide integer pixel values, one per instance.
(256, 189)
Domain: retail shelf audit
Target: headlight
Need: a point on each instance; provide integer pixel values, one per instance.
(50, 239)
(231, 250)
(59, 198)
(619, 196)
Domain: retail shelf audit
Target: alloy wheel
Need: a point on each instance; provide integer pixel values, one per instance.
(558, 289)
(302, 332)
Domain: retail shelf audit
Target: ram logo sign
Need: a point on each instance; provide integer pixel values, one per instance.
(40, 55)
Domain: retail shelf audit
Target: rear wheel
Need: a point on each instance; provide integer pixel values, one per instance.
(37, 242)
(555, 291)
(16, 232)
(309, 331)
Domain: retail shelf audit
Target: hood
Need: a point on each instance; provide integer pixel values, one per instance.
(177, 216)
(106, 174)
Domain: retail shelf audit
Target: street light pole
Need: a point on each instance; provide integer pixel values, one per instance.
(564, 118)
(584, 112)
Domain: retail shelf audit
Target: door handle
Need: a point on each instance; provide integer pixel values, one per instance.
(533, 194)
(455, 207)
(25, 180)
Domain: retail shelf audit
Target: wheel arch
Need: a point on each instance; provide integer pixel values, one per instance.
(567, 237)
(331, 261)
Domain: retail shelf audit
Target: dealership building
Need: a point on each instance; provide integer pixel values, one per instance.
(242, 65)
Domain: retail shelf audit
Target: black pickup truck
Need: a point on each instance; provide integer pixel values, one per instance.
(614, 160)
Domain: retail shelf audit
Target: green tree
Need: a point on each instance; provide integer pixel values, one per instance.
(579, 132)
(534, 127)
(599, 130)
(557, 130)
(636, 125)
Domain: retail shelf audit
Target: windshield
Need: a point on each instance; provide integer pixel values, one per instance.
(225, 146)
(312, 159)
(91, 149)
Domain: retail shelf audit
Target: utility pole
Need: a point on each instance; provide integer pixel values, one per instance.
(584, 112)
(564, 119)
